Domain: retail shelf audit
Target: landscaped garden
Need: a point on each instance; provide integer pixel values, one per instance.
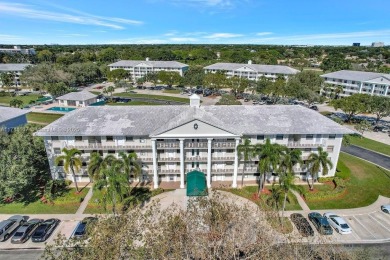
(157, 97)
(4, 100)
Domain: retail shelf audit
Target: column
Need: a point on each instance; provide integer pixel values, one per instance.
(386, 91)
(181, 163)
(209, 140)
(234, 184)
(155, 174)
(373, 88)
(360, 87)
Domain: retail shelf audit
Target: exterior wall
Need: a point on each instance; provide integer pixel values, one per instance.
(140, 71)
(249, 74)
(16, 80)
(14, 122)
(76, 103)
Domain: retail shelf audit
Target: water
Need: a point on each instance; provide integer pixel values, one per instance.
(61, 109)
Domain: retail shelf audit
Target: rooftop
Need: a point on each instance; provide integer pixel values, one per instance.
(278, 69)
(78, 96)
(154, 120)
(8, 113)
(13, 66)
(355, 75)
(159, 64)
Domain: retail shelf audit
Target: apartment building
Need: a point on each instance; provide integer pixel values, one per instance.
(359, 82)
(171, 141)
(139, 68)
(13, 68)
(11, 118)
(251, 71)
(17, 49)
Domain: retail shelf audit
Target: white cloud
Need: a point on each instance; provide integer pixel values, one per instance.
(83, 18)
(212, 3)
(264, 33)
(183, 39)
(73, 35)
(9, 38)
(222, 35)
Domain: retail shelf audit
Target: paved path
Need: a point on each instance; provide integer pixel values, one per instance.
(301, 201)
(84, 204)
(371, 156)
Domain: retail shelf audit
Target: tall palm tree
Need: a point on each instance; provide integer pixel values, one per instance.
(246, 150)
(131, 164)
(97, 164)
(72, 162)
(269, 158)
(287, 183)
(338, 90)
(276, 197)
(289, 159)
(318, 162)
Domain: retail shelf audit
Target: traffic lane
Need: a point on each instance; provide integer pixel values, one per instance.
(379, 159)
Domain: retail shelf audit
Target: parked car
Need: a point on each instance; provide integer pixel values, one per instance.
(338, 223)
(25, 231)
(10, 225)
(321, 223)
(302, 224)
(81, 228)
(314, 107)
(45, 229)
(386, 208)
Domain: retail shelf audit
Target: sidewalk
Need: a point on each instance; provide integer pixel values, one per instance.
(84, 204)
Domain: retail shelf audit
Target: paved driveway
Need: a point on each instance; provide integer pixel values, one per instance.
(368, 155)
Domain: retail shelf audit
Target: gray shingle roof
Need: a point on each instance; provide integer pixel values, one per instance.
(152, 120)
(79, 96)
(279, 69)
(7, 113)
(159, 64)
(355, 75)
(13, 66)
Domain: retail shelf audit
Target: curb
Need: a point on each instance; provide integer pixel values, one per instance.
(371, 150)
(367, 161)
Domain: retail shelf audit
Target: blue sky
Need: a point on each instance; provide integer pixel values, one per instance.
(310, 22)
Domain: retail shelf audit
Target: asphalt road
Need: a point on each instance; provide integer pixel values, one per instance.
(20, 254)
(379, 159)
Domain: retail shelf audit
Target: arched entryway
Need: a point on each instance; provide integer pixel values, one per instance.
(196, 184)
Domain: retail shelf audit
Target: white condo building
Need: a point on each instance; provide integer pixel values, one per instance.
(138, 68)
(251, 71)
(17, 49)
(359, 82)
(14, 68)
(171, 141)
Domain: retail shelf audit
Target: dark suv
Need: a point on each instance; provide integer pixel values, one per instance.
(321, 223)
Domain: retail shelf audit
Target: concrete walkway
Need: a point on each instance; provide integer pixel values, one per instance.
(301, 201)
(84, 204)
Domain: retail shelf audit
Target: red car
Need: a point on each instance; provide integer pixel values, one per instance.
(99, 87)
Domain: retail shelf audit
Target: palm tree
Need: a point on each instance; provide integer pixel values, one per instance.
(290, 158)
(97, 164)
(269, 158)
(245, 150)
(276, 197)
(6, 80)
(72, 162)
(131, 164)
(338, 91)
(318, 162)
(287, 184)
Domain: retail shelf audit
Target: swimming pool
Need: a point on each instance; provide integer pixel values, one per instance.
(61, 109)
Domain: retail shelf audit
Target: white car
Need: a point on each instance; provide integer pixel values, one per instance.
(386, 208)
(338, 223)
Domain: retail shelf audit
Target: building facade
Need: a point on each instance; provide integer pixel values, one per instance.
(251, 71)
(139, 69)
(77, 99)
(354, 82)
(171, 141)
(17, 49)
(15, 69)
(11, 118)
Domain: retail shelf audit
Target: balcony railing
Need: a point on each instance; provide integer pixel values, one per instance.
(108, 147)
(168, 159)
(222, 170)
(224, 145)
(196, 145)
(222, 158)
(303, 145)
(167, 145)
(196, 158)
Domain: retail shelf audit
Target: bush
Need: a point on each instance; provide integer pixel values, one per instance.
(228, 100)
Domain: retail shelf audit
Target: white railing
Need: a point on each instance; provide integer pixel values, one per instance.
(223, 144)
(113, 147)
(305, 145)
(167, 145)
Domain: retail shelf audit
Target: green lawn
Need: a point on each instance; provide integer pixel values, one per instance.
(134, 103)
(67, 204)
(26, 99)
(42, 118)
(370, 144)
(366, 184)
(172, 91)
(159, 97)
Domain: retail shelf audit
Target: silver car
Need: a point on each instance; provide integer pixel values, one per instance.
(25, 231)
(8, 226)
(386, 208)
(338, 223)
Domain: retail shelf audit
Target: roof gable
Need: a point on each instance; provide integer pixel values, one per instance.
(380, 80)
(245, 68)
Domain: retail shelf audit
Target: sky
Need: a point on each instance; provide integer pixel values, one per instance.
(281, 22)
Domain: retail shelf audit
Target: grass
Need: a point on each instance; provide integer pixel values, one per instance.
(26, 99)
(367, 182)
(158, 97)
(42, 118)
(67, 204)
(95, 92)
(172, 91)
(134, 103)
(370, 144)
(326, 113)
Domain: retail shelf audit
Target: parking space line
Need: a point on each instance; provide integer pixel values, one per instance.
(360, 223)
(378, 222)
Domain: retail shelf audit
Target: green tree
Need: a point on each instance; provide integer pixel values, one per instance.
(194, 76)
(109, 90)
(16, 103)
(275, 199)
(45, 56)
(352, 105)
(215, 81)
(117, 74)
(169, 77)
(107, 55)
(380, 106)
(287, 183)
(318, 162)
(57, 89)
(335, 62)
(131, 165)
(305, 85)
(72, 162)
(97, 164)
(6, 80)
(246, 151)
(237, 85)
(363, 126)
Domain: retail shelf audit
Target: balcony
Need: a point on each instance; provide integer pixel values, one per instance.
(196, 159)
(223, 145)
(168, 159)
(167, 145)
(303, 145)
(222, 158)
(145, 159)
(196, 145)
(227, 170)
(98, 146)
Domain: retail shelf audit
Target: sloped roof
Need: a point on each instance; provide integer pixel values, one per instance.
(7, 113)
(159, 64)
(355, 75)
(14, 66)
(78, 96)
(152, 120)
(277, 69)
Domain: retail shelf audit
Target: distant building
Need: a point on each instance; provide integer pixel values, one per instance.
(359, 82)
(251, 71)
(15, 68)
(356, 44)
(378, 44)
(77, 99)
(11, 118)
(17, 49)
(138, 68)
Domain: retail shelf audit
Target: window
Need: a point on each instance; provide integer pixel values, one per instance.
(309, 137)
(332, 137)
(54, 138)
(57, 150)
(84, 164)
(142, 153)
(129, 138)
(171, 178)
(142, 140)
(260, 137)
(78, 138)
(279, 137)
(330, 148)
(307, 149)
(111, 151)
(230, 151)
(109, 138)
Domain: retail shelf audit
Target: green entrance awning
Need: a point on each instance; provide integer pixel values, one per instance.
(196, 184)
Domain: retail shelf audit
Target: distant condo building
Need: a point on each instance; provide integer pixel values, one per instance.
(359, 82)
(251, 71)
(378, 44)
(13, 68)
(172, 141)
(138, 68)
(17, 49)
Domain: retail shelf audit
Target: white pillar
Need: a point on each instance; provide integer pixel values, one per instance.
(209, 140)
(181, 163)
(234, 184)
(155, 174)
